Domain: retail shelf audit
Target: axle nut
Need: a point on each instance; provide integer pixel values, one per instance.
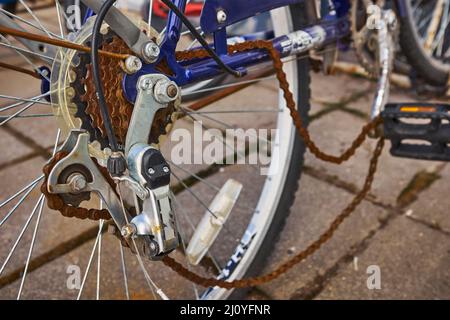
(166, 91)
(128, 230)
(77, 182)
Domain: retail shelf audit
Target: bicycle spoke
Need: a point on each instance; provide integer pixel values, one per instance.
(33, 99)
(124, 271)
(25, 227)
(235, 111)
(439, 40)
(192, 193)
(25, 21)
(192, 226)
(198, 178)
(29, 187)
(58, 13)
(19, 202)
(27, 116)
(21, 191)
(184, 33)
(38, 220)
(17, 113)
(226, 125)
(99, 254)
(20, 50)
(2, 96)
(224, 141)
(191, 45)
(91, 257)
(150, 13)
(30, 251)
(195, 176)
(228, 85)
(35, 18)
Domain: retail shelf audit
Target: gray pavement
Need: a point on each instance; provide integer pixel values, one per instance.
(402, 227)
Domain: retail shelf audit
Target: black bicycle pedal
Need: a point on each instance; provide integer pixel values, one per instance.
(418, 130)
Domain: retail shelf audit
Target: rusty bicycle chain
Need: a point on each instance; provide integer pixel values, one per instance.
(286, 266)
(303, 132)
(57, 203)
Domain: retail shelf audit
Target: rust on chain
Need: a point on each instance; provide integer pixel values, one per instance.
(310, 250)
(57, 203)
(290, 102)
(57, 42)
(303, 132)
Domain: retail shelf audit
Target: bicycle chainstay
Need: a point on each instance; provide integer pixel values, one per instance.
(177, 267)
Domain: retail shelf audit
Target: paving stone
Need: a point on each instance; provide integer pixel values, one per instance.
(432, 205)
(414, 263)
(316, 205)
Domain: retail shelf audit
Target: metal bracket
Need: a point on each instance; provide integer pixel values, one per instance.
(77, 146)
(153, 94)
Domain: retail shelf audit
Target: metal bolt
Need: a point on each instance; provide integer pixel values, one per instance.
(77, 182)
(151, 171)
(166, 169)
(151, 51)
(128, 230)
(145, 84)
(153, 249)
(221, 16)
(132, 64)
(172, 90)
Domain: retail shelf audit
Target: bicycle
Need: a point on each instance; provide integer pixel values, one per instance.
(114, 151)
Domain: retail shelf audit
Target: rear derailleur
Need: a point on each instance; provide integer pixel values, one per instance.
(152, 230)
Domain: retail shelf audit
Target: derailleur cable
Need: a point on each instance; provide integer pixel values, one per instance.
(116, 162)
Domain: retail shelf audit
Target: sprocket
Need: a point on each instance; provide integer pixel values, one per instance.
(120, 109)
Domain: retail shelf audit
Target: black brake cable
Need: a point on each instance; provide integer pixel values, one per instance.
(116, 162)
(200, 39)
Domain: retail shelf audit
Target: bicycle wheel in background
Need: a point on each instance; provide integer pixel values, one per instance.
(425, 39)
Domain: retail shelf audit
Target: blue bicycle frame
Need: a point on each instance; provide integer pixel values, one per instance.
(330, 29)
